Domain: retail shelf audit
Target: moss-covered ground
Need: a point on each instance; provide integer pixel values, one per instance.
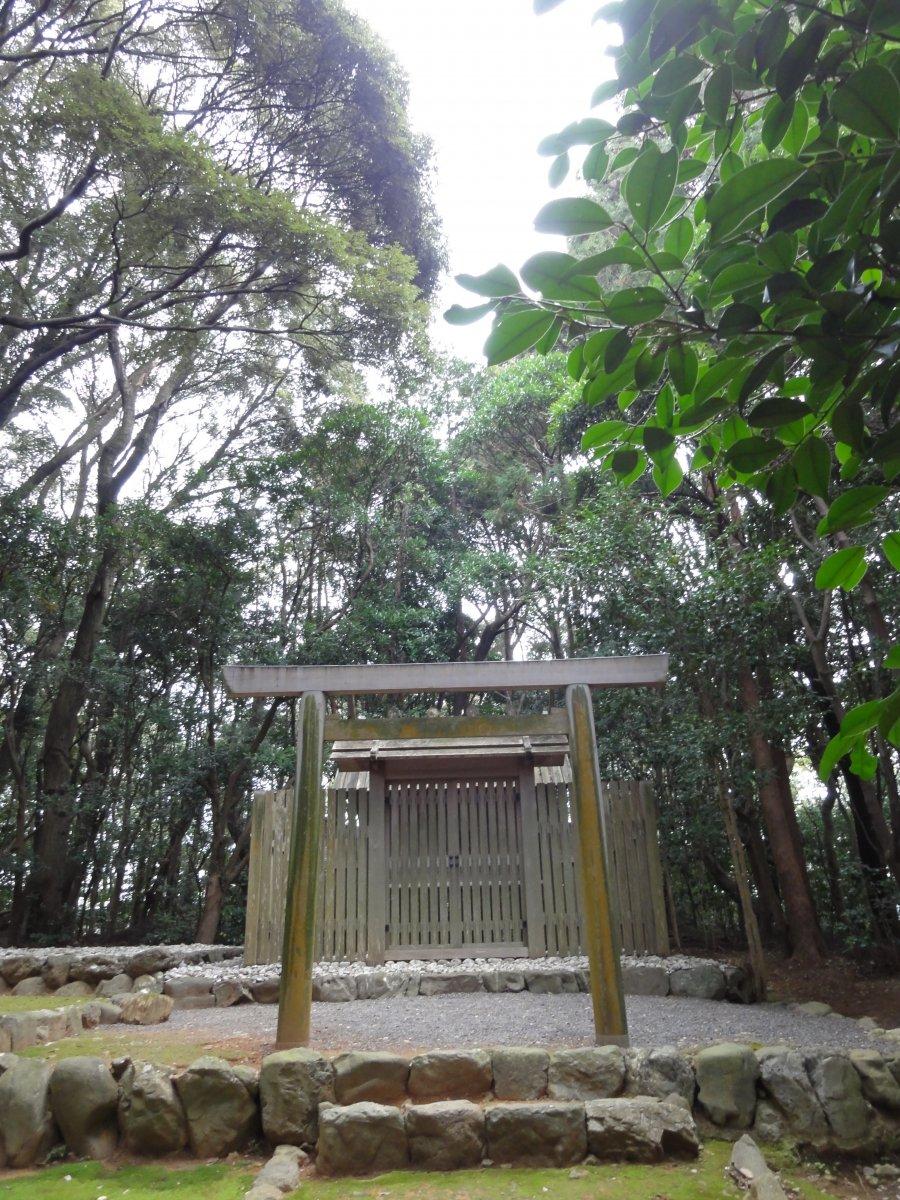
(17, 1004)
(703, 1180)
(169, 1052)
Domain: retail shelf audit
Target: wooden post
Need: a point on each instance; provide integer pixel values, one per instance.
(295, 994)
(598, 926)
(531, 864)
(376, 898)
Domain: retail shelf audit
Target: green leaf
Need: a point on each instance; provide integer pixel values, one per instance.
(649, 185)
(862, 762)
(799, 58)
(833, 753)
(559, 169)
(675, 74)
(812, 462)
(861, 719)
(605, 91)
(648, 367)
(717, 95)
(853, 508)
(595, 164)
(777, 121)
(602, 434)
(572, 216)
(752, 454)
(456, 314)
(682, 367)
(668, 475)
(656, 439)
(777, 411)
(892, 658)
(679, 237)
(558, 277)
(633, 306)
(749, 191)
(542, 6)
(781, 488)
(497, 282)
(623, 462)
(869, 102)
(616, 350)
(678, 26)
(891, 549)
(516, 333)
(844, 569)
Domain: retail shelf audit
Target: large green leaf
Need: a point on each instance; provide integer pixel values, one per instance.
(649, 185)
(777, 411)
(852, 508)
(749, 191)
(812, 462)
(843, 569)
(516, 333)
(497, 282)
(572, 216)
(557, 277)
(799, 58)
(752, 454)
(869, 102)
(456, 314)
(891, 548)
(633, 306)
(717, 94)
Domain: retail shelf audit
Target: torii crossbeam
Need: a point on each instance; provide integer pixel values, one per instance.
(312, 683)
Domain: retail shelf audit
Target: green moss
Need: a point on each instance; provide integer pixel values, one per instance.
(17, 1004)
(168, 1052)
(87, 1181)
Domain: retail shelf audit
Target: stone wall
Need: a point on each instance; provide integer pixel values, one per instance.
(368, 1112)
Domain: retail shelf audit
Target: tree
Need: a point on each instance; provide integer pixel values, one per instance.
(759, 159)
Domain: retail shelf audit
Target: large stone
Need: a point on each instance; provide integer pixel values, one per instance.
(147, 983)
(786, 1081)
(185, 989)
(77, 987)
(149, 960)
(151, 1117)
(117, 986)
(660, 1073)
(703, 982)
(545, 1133)
(640, 1130)
(334, 989)
(544, 983)
(292, 1085)
(265, 991)
(450, 1075)
(27, 1130)
(590, 1073)
(361, 1139)
(221, 1112)
(84, 1099)
(282, 1172)
(739, 986)
(92, 968)
(747, 1159)
(227, 992)
(814, 1008)
(520, 1072)
(375, 984)
(878, 1084)
(373, 1075)
(839, 1089)
(144, 1008)
(726, 1081)
(32, 986)
(451, 981)
(445, 1136)
(15, 967)
(639, 979)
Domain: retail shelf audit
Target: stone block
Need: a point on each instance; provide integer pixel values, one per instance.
(151, 1116)
(703, 982)
(84, 1099)
(282, 1172)
(227, 992)
(15, 967)
(520, 1072)
(590, 1073)
(375, 984)
(265, 991)
(374, 1075)
(450, 1075)
(27, 1130)
(333, 989)
(878, 1084)
(645, 980)
(361, 1139)
(144, 1008)
(117, 986)
(445, 1136)
(292, 1085)
(640, 1130)
(222, 1115)
(660, 1073)
(544, 983)
(32, 986)
(188, 987)
(545, 1133)
(785, 1080)
(77, 987)
(839, 1090)
(726, 1081)
(443, 984)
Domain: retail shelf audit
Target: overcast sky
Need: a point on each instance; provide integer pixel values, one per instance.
(488, 79)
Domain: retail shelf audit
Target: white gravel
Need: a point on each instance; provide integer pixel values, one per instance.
(519, 1019)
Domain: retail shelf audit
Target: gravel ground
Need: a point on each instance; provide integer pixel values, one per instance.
(519, 1019)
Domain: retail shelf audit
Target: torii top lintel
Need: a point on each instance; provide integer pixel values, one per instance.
(638, 670)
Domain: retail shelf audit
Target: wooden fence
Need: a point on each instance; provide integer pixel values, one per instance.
(460, 865)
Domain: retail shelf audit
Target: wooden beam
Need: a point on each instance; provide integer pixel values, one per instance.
(396, 729)
(295, 993)
(639, 670)
(597, 922)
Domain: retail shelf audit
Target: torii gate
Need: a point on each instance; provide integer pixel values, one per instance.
(311, 684)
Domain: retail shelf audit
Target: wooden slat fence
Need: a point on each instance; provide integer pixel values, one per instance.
(455, 869)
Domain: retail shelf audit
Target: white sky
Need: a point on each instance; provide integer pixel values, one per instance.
(488, 79)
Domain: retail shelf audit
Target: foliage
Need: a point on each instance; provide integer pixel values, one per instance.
(759, 160)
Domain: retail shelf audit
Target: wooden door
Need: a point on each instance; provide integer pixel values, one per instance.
(454, 869)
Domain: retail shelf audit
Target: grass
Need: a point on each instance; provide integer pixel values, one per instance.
(18, 1004)
(167, 1052)
(702, 1180)
(90, 1181)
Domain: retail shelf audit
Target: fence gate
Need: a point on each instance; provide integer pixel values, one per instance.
(454, 868)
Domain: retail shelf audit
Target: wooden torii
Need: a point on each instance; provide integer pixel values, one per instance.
(311, 684)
